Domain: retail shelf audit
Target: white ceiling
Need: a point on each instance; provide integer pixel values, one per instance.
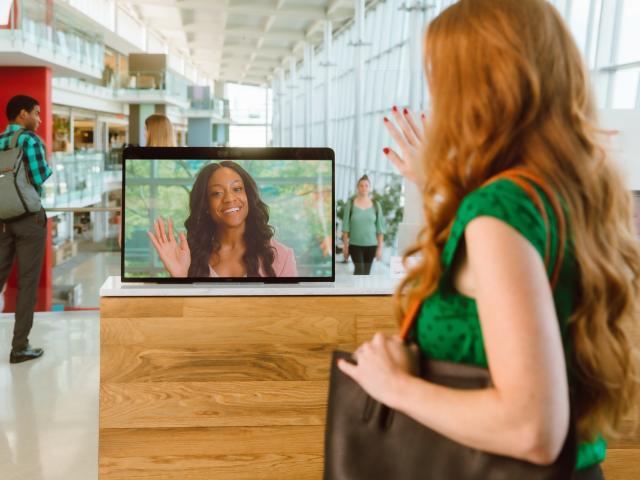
(243, 41)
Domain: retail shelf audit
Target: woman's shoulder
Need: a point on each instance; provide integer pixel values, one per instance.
(284, 261)
(506, 201)
(502, 199)
(280, 247)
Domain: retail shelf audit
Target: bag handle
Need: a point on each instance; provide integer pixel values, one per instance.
(518, 176)
(13, 143)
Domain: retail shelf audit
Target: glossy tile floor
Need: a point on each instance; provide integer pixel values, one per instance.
(91, 269)
(49, 406)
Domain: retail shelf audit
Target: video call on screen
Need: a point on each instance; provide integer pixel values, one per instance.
(295, 195)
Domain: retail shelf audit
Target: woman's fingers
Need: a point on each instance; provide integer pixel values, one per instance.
(397, 161)
(348, 368)
(162, 231)
(406, 128)
(183, 242)
(396, 134)
(156, 228)
(170, 226)
(423, 118)
(414, 126)
(154, 241)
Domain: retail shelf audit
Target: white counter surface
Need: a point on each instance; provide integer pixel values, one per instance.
(344, 285)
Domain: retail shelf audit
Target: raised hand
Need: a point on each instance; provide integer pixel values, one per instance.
(175, 258)
(410, 141)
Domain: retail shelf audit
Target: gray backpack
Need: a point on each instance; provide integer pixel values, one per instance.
(18, 197)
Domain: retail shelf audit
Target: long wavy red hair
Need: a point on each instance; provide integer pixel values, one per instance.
(509, 89)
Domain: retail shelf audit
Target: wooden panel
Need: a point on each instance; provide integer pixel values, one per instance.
(212, 466)
(286, 306)
(622, 464)
(216, 363)
(123, 307)
(368, 326)
(225, 330)
(199, 404)
(159, 442)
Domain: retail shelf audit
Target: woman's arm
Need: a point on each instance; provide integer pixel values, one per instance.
(526, 414)
(380, 245)
(345, 245)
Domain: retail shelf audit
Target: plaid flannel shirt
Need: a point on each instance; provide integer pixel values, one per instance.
(37, 167)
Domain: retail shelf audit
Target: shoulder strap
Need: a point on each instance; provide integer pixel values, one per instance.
(518, 176)
(13, 143)
(351, 208)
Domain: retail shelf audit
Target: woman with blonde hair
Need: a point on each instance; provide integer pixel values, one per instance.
(158, 132)
(509, 91)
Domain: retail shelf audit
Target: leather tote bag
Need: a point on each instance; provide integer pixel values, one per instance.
(366, 440)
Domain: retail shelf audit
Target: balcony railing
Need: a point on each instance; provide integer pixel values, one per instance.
(80, 179)
(215, 105)
(150, 83)
(50, 28)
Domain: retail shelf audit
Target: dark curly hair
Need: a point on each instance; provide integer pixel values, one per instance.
(201, 229)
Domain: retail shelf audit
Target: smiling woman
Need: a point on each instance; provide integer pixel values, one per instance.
(228, 231)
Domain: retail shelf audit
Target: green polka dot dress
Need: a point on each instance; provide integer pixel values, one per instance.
(448, 327)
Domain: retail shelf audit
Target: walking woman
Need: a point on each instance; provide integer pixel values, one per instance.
(158, 132)
(363, 229)
(509, 90)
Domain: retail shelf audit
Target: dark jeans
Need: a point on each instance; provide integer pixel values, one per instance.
(362, 258)
(591, 473)
(26, 240)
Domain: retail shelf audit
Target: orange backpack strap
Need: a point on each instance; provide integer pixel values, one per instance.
(518, 177)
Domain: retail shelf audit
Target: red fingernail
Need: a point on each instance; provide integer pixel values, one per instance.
(423, 116)
(385, 119)
(338, 360)
(395, 109)
(386, 151)
(405, 111)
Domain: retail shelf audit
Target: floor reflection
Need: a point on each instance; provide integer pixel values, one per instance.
(91, 269)
(49, 406)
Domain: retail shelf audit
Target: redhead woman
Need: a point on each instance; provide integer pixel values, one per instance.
(509, 91)
(228, 231)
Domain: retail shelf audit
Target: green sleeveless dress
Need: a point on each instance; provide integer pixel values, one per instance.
(448, 328)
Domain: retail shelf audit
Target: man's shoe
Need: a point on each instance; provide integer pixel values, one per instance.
(19, 356)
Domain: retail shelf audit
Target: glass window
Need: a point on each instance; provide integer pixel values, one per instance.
(629, 39)
(625, 88)
(579, 22)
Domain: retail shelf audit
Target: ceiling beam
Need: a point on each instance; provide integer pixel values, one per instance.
(335, 5)
(249, 8)
(316, 26)
(238, 48)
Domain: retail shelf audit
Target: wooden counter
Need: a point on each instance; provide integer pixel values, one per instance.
(226, 387)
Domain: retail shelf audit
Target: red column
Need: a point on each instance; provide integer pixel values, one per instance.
(34, 82)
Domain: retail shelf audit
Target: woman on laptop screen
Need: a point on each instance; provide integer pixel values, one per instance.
(228, 231)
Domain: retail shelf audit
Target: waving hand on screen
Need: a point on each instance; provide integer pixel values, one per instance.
(175, 258)
(410, 141)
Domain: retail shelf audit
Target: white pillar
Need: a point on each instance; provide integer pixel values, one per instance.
(415, 56)
(72, 138)
(71, 230)
(413, 214)
(308, 95)
(358, 143)
(281, 88)
(293, 84)
(266, 116)
(328, 99)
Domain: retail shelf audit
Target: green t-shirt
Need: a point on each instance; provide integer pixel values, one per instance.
(362, 227)
(448, 327)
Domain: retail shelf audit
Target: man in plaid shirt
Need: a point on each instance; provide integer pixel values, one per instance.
(25, 238)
